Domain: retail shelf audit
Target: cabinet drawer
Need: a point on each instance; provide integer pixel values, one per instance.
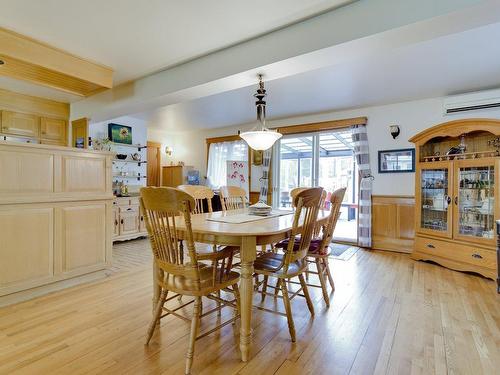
(133, 201)
(128, 209)
(458, 252)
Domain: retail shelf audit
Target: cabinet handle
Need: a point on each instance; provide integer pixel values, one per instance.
(448, 199)
(456, 201)
(121, 221)
(431, 246)
(477, 256)
(142, 218)
(116, 222)
(129, 209)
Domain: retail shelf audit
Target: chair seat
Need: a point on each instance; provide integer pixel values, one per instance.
(187, 286)
(269, 263)
(314, 247)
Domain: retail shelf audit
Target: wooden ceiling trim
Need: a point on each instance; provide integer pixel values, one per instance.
(322, 126)
(52, 67)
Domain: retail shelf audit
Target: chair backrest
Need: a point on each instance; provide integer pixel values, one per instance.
(161, 206)
(294, 192)
(335, 204)
(232, 197)
(200, 193)
(322, 200)
(307, 208)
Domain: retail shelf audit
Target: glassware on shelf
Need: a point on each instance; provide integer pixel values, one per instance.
(476, 201)
(435, 199)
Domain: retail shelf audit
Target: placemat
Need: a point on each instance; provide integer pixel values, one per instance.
(245, 217)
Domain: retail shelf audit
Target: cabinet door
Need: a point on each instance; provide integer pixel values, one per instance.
(26, 247)
(116, 223)
(53, 130)
(142, 222)
(83, 237)
(177, 176)
(433, 200)
(475, 200)
(20, 124)
(129, 222)
(166, 176)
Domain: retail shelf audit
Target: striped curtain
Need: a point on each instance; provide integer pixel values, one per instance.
(362, 155)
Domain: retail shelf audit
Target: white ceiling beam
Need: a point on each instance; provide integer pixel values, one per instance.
(357, 30)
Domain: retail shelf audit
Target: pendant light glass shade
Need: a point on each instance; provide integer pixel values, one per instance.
(261, 139)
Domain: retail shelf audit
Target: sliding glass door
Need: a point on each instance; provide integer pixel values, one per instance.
(319, 159)
(295, 166)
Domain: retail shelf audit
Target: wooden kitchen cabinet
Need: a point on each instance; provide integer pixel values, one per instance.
(172, 175)
(128, 219)
(20, 124)
(53, 130)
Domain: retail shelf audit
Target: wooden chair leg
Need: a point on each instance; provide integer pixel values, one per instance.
(219, 305)
(195, 323)
(277, 288)
(306, 294)
(330, 279)
(288, 309)
(157, 314)
(322, 281)
(264, 288)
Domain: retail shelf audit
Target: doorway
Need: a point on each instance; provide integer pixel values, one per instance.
(323, 159)
(153, 163)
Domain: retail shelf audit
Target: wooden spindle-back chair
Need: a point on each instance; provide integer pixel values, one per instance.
(292, 263)
(232, 198)
(319, 250)
(200, 194)
(163, 208)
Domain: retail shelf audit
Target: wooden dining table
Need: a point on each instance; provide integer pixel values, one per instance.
(247, 236)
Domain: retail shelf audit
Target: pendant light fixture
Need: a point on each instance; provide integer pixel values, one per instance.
(260, 137)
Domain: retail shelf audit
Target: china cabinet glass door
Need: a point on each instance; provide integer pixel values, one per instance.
(435, 199)
(475, 198)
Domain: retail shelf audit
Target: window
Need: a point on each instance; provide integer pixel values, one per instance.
(218, 155)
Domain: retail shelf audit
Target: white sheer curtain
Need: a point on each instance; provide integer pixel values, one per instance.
(218, 155)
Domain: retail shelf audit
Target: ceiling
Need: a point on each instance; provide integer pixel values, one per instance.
(136, 38)
(457, 63)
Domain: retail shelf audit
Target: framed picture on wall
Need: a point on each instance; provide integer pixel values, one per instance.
(120, 133)
(396, 161)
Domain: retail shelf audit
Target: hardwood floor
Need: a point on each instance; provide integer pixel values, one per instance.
(388, 314)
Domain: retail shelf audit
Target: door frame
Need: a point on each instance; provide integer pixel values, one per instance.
(154, 163)
(276, 157)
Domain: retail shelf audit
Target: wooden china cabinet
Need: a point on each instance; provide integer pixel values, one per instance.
(457, 196)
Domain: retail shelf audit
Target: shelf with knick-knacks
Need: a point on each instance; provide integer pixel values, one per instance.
(129, 165)
(455, 194)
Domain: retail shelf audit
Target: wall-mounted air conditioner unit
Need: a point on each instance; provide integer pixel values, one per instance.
(471, 102)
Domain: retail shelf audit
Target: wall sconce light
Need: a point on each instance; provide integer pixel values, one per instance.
(394, 129)
(168, 151)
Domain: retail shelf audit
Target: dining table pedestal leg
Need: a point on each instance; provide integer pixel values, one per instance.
(248, 254)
